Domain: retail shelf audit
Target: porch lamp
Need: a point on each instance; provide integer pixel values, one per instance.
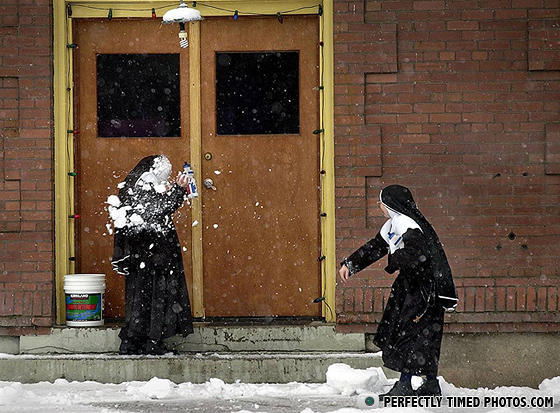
(182, 14)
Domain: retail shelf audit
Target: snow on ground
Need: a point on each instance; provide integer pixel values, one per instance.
(345, 391)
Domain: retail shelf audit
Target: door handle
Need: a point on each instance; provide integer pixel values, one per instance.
(209, 184)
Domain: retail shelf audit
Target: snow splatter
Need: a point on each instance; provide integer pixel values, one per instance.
(217, 172)
(136, 219)
(114, 200)
(195, 223)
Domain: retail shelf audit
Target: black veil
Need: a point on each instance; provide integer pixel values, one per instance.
(399, 198)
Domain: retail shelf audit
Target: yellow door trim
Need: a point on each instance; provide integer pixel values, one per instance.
(196, 162)
(328, 228)
(63, 141)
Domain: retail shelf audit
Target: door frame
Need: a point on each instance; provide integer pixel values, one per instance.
(64, 127)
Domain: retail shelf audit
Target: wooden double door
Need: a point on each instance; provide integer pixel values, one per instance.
(259, 105)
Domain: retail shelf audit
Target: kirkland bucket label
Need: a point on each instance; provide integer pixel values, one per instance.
(83, 307)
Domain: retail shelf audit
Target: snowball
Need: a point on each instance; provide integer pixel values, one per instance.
(142, 265)
(215, 226)
(217, 172)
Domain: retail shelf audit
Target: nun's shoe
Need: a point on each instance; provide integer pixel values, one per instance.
(399, 389)
(429, 388)
(129, 347)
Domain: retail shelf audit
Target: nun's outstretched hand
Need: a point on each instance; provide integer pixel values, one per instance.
(344, 273)
(182, 180)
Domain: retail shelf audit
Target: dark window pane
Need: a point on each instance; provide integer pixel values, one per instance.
(138, 95)
(257, 93)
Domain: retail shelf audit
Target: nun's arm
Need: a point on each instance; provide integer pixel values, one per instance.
(367, 254)
(411, 255)
(167, 202)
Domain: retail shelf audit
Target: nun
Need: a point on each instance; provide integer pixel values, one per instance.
(411, 328)
(148, 253)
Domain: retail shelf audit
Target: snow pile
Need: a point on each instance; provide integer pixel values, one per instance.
(551, 387)
(153, 389)
(10, 393)
(344, 392)
(348, 381)
(217, 389)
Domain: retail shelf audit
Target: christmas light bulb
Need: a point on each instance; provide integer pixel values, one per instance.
(183, 41)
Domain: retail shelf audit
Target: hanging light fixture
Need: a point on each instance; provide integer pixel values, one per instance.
(182, 14)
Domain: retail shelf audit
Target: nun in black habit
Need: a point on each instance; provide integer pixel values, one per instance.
(148, 253)
(411, 328)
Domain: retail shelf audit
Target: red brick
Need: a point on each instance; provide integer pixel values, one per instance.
(462, 25)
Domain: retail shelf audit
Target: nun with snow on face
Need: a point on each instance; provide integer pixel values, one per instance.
(411, 328)
(148, 253)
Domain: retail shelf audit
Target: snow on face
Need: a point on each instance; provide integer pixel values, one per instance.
(157, 175)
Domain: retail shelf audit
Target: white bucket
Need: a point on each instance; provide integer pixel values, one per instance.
(84, 297)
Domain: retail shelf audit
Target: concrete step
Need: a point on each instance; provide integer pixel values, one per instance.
(253, 367)
(207, 337)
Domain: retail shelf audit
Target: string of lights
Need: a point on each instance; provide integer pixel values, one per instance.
(234, 13)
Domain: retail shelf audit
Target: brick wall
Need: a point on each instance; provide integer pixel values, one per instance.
(460, 101)
(26, 186)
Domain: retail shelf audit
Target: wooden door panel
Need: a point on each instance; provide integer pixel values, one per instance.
(261, 224)
(104, 162)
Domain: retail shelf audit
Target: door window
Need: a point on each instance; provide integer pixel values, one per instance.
(138, 95)
(257, 93)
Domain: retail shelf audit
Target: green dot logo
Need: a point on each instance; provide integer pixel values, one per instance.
(369, 401)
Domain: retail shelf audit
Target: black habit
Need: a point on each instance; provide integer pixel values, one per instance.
(148, 253)
(411, 329)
